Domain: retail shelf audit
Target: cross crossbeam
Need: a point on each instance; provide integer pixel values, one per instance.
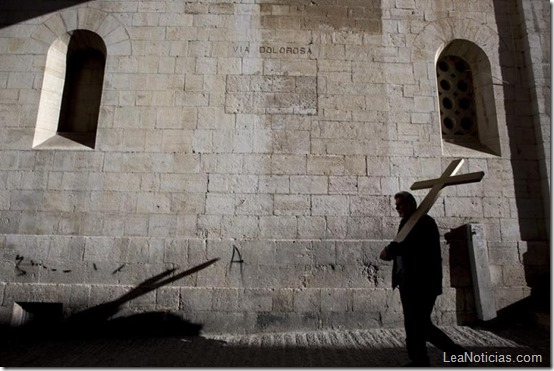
(447, 178)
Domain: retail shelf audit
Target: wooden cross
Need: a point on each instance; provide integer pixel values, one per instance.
(447, 178)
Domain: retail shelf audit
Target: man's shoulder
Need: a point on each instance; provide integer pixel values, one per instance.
(428, 220)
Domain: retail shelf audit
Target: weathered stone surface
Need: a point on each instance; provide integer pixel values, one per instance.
(271, 135)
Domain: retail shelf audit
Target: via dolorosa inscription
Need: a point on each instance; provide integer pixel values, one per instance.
(274, 49)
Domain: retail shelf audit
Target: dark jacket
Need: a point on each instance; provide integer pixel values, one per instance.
(417, 260)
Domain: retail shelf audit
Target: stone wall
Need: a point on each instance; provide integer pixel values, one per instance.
(275, 131)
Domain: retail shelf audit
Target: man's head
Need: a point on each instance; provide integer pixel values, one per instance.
(405, 203)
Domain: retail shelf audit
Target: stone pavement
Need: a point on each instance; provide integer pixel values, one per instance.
(335, 348)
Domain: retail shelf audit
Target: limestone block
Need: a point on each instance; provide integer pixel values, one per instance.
(214, 118)
(175, 19)
(502, 254)
(103, 249)
(100, 294)
(162, 225)
(114, 181)
(170, 118)
(464, 207)
(336, 227)
(348, 252)
(256, 300)
(268, 276)
(291, 276)
(324, 276)
(238, 83)
(294, 253)
(505, 296)
(116, 39)
(40, 293)
(336, 300)
(262, 83)
(495, 207)
(229, 164)
(69, 224)
(510, 229)
(312, 227)
(191, 183)
(20, 80)
(118, 162)
(17, 139)
(343, 185)
(209, 225)
(26, 200)
(229, 66)
(147, 250)
(288, 164)
(325, 165)
(324, 252)
(67, 248)
(242, 141)
(283, 300)
(274, 184)
(241, 226)
(252, 66)
(496, 275)
(256, 252)
(73, 181)
(292, 205)
(365, 227)
(369, 185)
(195, 299)
(514, 275)
(369, 205)
(307, 300)
(31, 247)
(148, 202)
(168, 297)
(372, 301)
(332, 205)
(206, 65)
(248, 204)
(333, 114)
(262, 141)
(234, 183)
(216, 141)
(221, 204)
(176, 252)
(150, 182)
(309, 184)
(225, 300)
(61, 272)
(193, 99)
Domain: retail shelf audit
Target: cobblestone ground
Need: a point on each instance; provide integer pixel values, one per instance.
(358, 348)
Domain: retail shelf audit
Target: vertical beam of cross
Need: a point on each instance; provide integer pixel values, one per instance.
(446, 179)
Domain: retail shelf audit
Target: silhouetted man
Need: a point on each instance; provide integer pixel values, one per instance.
(417, 271)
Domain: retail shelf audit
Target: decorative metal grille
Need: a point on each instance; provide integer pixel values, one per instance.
(457, 102)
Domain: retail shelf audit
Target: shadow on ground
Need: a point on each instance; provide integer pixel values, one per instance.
(96, 337)
(167, 340)
(524, 322)
(202, 352)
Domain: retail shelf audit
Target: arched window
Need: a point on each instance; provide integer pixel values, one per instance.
(457, 101)
(466, 99)
(71, 92)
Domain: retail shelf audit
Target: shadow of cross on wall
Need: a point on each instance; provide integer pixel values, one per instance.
(102, 312)
(447, 178)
